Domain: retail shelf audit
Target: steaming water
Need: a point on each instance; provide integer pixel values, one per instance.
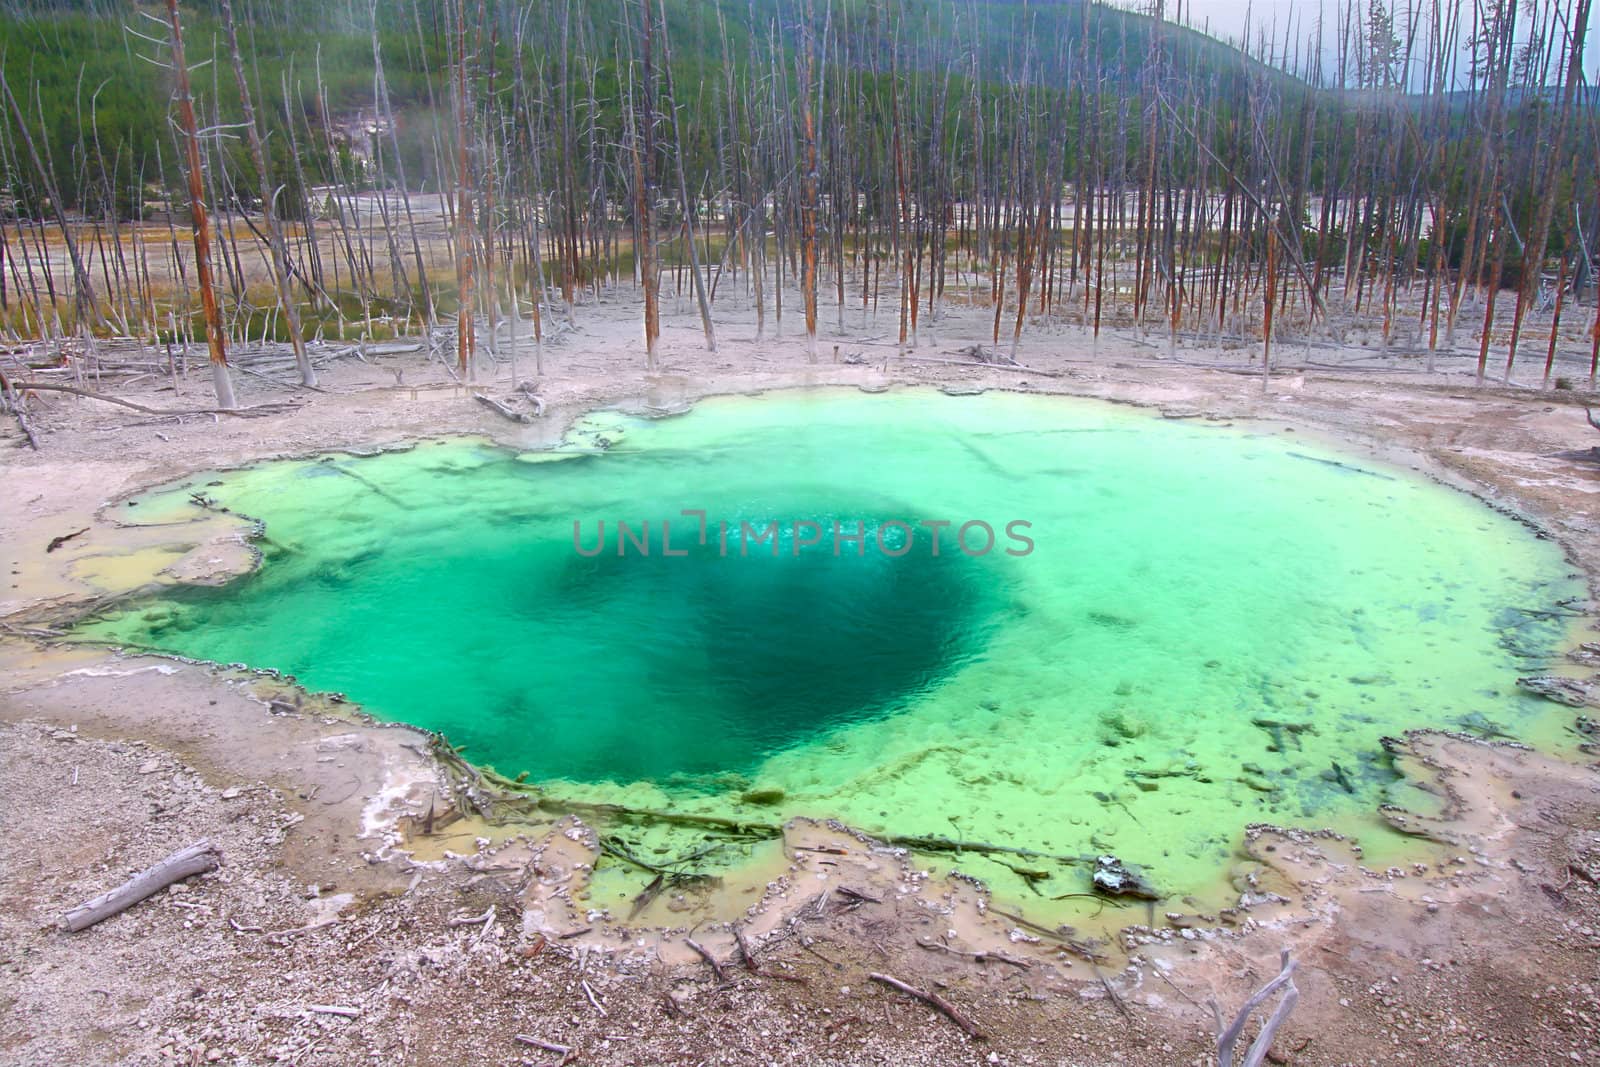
(1210, 619)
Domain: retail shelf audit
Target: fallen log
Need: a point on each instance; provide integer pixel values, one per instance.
(57, 542)
(933, 1000)
(492, 788)
(238, 413)
(14, 405)
(705, 954)
(26, 427)
(563, 1051)
(510, 412)
(198, 858)
(753, 967)
(334, 1009)
(980, 956)
(1016, 368)
(529, 390)
(514, 416)
(1228, 1036)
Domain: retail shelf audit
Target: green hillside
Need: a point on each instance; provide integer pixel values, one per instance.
(89, 76)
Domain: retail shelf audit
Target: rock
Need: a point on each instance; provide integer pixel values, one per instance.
(342, 743)
(1114, 878)
(1573, 692)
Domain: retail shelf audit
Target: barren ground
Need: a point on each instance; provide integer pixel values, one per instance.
(331, 894)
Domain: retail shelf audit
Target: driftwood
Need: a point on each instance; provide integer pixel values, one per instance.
(240, 413)
(529, 390)
(858, 896)
(611, 846)
(503, 409)
(755, 968)
(980, 956)
(13, 403)
(1111, 992)
(647, 895)
(705, 954)
(1228, 1036)
(474, 920)
(922, 843)
(510, 412)
(1085, 949)
(280, 937)
(1017, 368)
(25, 427)
(486, 790)
(933, 1000)
(198, 858)
(744, 950)
(57, 542)
(236, 365)
(563, 1051)
(334, 1009)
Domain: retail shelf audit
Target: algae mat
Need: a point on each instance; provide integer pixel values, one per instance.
(1039, 622)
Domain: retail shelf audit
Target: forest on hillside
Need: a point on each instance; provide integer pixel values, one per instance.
(835, 145)
(99, 103)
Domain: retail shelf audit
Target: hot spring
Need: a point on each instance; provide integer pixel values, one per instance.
(1136, 635)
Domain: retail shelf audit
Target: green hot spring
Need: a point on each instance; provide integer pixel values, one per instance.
(1187, 628)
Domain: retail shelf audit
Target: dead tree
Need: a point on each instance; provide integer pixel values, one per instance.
(808, 193)
(198, 858)
(200, 221)
(83, 288)
(683, 184)
(644, 169)
(1228, 1036)
(280, 250)
(465, 339)
(1533, 254)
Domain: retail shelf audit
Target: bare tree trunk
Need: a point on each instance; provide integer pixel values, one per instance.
(280, 252)
(83, 287)
(465, 340)
(644, 191)
(202, 224)
(382, 100)
(808, 192)
(683, 184)
(1533, 255)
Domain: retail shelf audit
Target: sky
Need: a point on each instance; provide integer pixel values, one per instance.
(1228, 19)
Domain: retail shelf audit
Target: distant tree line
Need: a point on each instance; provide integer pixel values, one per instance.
(1065, 153)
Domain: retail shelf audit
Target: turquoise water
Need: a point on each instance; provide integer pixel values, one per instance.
(1206, 626)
